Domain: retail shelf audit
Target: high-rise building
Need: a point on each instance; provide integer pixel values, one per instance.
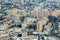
(0, 6)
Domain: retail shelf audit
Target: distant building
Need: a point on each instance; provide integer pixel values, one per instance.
(18, 1)
(0, 6)
(56, 13)
(54, 0)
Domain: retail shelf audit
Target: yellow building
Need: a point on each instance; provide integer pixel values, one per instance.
(24, 25)
(7, 30)
(13, 11)
(40, 24)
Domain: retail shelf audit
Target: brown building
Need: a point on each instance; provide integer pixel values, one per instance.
(4, 38)
(56, 13)
(39, 15)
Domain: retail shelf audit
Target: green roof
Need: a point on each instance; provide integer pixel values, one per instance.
(5, 13)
